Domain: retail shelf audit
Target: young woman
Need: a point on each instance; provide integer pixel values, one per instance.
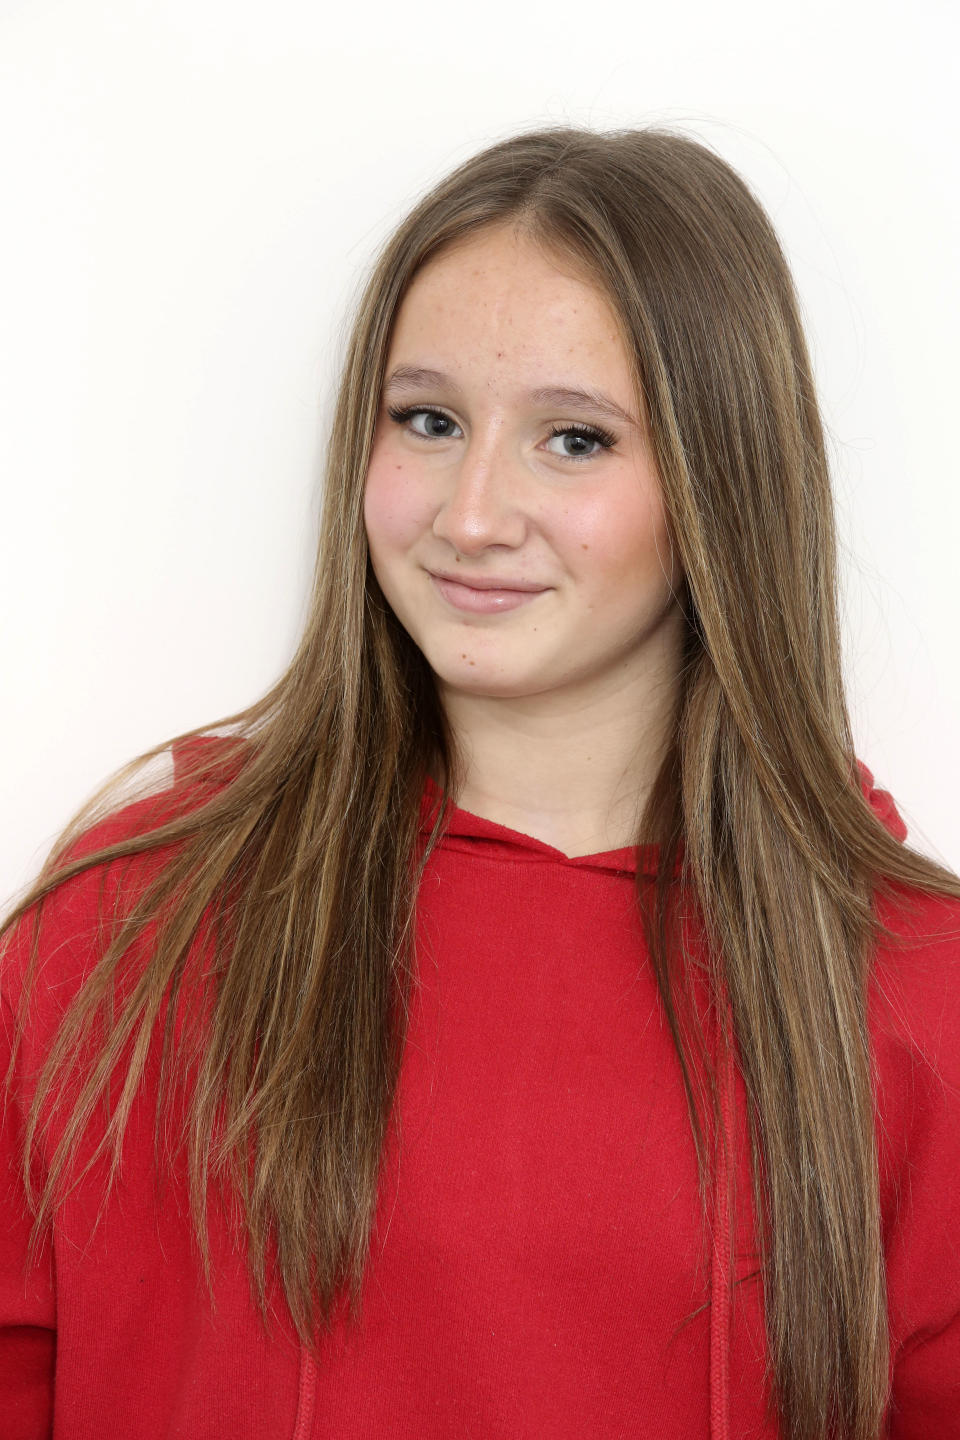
(528, 1019)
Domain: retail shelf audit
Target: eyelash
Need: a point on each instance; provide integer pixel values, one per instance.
(590, 432)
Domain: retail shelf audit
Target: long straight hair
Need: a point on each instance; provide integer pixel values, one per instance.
(297, 863)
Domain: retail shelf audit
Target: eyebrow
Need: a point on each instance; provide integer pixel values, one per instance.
(415, 377)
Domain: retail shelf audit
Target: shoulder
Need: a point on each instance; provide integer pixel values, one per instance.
(915, 978)
(914, 1020)
(914, 1013)
(52, 949)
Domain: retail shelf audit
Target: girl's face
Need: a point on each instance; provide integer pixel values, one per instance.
(521, 561)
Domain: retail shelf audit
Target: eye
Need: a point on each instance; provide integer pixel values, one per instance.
(601, 438)
(402, 417)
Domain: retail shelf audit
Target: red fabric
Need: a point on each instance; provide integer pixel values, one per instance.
(538, 1265)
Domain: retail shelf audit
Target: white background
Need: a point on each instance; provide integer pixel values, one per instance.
(191, 194)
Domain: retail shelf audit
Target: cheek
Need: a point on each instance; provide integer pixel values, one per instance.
(622, 540)
(395, 511)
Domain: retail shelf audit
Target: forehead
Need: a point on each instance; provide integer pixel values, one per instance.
(501, 294)
(503, 260)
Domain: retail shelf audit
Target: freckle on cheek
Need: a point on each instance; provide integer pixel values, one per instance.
(584, 547)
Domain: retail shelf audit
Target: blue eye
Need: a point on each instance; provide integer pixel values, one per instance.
(402, 416)
(602, 438)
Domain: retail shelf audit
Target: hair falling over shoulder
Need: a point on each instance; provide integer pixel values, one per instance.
(289, 857)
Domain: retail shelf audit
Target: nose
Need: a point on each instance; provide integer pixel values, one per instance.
(481, 502)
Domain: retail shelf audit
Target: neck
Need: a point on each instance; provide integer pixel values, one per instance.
(572, 768)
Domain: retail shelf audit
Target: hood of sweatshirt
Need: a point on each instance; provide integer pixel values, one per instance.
(467, 831)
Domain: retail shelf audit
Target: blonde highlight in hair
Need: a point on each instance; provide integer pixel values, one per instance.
(293, 864)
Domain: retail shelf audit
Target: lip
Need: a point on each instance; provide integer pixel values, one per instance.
(485, 598)
(491, 582)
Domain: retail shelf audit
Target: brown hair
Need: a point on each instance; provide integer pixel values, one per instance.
(307, 855)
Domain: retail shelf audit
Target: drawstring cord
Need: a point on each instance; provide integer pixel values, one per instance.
(720, 1277)
(306, 1396)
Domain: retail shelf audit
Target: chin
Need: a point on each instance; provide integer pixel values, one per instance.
(484, 680)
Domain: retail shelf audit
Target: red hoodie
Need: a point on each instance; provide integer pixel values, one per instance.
(538, 1265)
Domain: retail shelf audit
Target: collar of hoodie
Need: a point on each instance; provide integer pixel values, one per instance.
(466, 831)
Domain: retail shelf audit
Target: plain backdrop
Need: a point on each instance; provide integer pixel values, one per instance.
(192, 192)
